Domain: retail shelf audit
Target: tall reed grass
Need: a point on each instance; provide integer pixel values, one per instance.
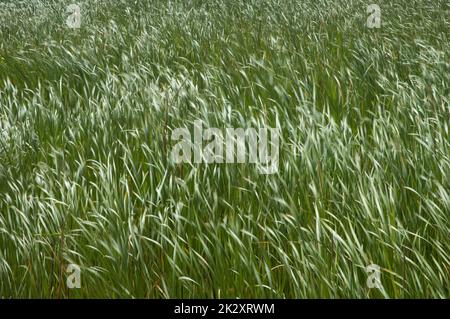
(86, 117)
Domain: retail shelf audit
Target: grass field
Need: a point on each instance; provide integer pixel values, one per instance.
(86, 117)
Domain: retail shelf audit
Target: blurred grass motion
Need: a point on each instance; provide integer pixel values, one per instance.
(85, 123)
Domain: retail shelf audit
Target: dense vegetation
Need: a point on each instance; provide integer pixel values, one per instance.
(86, 117)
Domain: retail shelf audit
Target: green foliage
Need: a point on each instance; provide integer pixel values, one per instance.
(85, 123)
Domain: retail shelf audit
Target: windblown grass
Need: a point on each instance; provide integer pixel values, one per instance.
(85, 123)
